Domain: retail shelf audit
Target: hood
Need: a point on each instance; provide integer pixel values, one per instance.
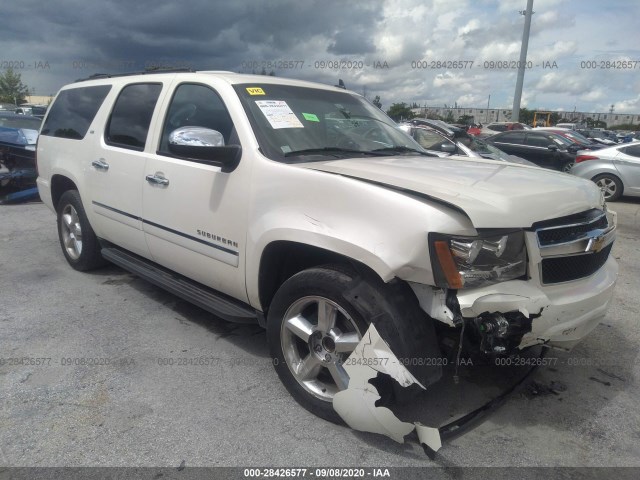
(18, 136)
(493, 194)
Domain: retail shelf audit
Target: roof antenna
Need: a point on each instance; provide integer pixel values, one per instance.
(340, 84)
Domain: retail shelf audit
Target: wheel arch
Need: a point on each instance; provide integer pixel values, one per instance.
(60, 184)
(281, 259)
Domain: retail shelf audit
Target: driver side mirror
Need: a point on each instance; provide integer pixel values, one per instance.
(552, 147)
(204, 145)
(448, 147)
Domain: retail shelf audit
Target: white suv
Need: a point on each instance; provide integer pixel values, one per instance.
(304, 208)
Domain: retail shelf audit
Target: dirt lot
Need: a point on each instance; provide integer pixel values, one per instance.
(130, 406)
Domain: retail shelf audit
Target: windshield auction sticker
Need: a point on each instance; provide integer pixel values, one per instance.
(255, 91)
(279, 114)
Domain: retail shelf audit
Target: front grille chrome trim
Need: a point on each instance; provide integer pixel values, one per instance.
(560, 246)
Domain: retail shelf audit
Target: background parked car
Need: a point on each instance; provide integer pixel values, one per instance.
(581, 142)
(33, 110)
(444, 140)
(18, 137)
(598, 136)
(616, 170)
(545, 149)
(495, 127)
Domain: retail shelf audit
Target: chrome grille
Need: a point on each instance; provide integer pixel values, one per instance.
(574, 247)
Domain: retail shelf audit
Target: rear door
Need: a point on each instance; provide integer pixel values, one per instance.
(628, 164)
(538, 145)
(513, 144)
(115, 174)
(195, 215)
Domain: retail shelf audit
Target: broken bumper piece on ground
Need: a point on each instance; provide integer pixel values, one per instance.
(357, 403)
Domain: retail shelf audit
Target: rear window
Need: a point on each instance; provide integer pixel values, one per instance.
(73, 111)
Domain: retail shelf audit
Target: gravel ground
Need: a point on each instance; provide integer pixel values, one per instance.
(135, 411)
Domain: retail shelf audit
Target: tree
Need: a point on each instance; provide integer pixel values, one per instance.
(400, 111)
(12, 90)
(466, 119)
(377, 103)
(449, 118)
(526, 116)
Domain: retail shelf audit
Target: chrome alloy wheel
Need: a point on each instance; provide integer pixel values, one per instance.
(317, 336)
(608, 187)
(71, 232)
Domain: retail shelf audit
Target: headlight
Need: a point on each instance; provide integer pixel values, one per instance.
(468, 262)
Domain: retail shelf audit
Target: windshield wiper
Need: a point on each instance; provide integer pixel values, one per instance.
(402, 149)
(335, 151)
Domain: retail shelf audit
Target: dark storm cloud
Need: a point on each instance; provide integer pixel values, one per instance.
(202, 33)
(351, 42)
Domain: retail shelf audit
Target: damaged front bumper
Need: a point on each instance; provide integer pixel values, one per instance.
(357, 403)
(561, 315)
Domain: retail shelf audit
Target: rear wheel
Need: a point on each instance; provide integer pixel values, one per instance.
(77, 239)
(610, 185)
(312, 329)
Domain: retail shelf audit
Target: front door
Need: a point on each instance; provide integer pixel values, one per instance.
(195, 215)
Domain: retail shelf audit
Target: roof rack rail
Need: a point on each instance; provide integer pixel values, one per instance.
(150, 71)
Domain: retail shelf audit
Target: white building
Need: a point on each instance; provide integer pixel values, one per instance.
(483, 115)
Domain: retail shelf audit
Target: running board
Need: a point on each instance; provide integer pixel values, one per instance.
(206, 298)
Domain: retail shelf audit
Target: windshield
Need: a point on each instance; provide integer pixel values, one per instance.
(296, 123)
(576, 137)
(560, 140)
(483, 148)
(20, 121)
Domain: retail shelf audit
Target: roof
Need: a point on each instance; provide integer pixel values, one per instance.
(229, 77)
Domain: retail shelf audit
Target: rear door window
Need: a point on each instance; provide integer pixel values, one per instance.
(512, 137)
(129, 122)
(73, 111)
(539, 140)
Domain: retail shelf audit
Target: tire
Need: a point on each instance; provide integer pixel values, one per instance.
(356, 298)
(79, 243)
(610, 185)
(566, 167)
(302, 295)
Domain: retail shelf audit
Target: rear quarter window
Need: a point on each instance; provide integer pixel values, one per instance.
(73, 111)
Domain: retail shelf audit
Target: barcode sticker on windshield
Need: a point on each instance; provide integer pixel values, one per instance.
(278, 113)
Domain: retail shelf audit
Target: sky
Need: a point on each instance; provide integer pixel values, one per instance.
(431, 52)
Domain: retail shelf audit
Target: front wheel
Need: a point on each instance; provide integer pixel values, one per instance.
(312, 329)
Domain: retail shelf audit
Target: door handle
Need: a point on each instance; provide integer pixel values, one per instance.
(157, 180)
(100, 164)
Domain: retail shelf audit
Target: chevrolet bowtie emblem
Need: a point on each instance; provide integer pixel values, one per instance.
(595, 244)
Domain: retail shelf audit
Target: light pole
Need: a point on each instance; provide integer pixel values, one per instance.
(487, 116)
(515, 114)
